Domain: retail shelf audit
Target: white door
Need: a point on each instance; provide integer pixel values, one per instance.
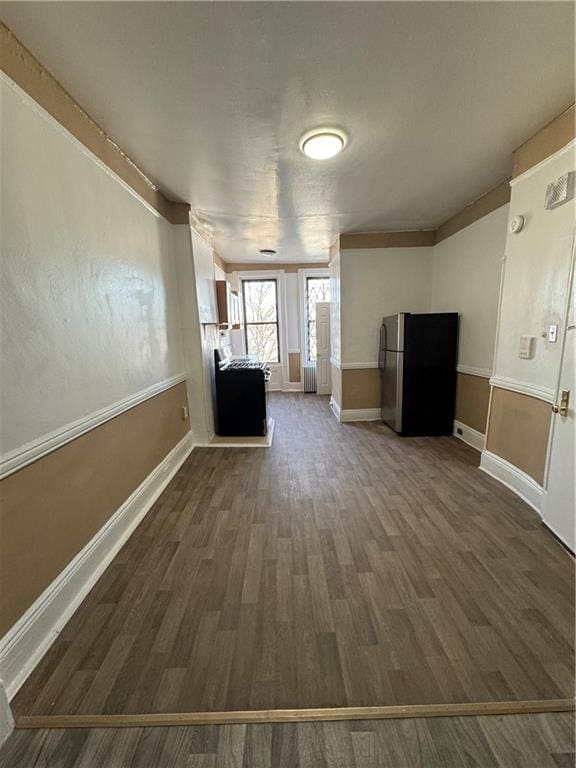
(323, 383)
(559, 507)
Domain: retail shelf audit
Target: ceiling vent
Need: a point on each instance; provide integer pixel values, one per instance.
(560, 191)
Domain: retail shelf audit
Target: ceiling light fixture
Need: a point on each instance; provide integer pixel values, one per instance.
(322, 143)
(267, 252)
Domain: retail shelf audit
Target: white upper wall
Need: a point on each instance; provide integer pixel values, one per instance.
(88, 293)
(466, 279)
(335, 309)
(292, 312)
(535, 278)
(375, 283)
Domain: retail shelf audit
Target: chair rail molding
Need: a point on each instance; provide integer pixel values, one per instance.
(472, 370)
(524, 388)
(358, 366)
(20, 457)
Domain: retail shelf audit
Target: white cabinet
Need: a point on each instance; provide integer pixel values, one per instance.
(228, 304)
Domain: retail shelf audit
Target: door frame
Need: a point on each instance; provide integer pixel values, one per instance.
(302, 275)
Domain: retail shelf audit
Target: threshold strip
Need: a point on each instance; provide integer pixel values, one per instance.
(297, 715)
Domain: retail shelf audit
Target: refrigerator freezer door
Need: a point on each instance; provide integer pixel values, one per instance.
(392, 332)
(391, 378)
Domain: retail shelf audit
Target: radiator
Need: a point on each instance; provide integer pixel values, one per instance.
(309, 378)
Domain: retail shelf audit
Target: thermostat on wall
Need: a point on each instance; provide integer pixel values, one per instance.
(526, 349)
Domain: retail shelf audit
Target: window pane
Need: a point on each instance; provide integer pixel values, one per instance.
(260, 301)
(317, 289)
(262, 340)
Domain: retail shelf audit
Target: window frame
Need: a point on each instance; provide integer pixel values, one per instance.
(307, 319)
(271, 279)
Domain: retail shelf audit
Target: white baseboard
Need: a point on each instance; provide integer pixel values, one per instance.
(512, 477)
(28, 640)
(361, 414)
(335, 408)
(293, 386)
(469, 436)
(6, 719)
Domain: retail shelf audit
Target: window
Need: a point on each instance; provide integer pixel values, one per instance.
(317, 289)
(260, 299)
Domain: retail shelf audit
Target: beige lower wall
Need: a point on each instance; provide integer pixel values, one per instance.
(360, 388)
(518, 431)
(472, 398)
(51, 509)
(336, 381)
(294, 373)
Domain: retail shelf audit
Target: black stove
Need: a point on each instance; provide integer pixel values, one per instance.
(240, 395)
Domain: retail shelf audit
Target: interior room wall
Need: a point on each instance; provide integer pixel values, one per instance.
(376, 282)
(90, 346)
(466, 279)
(534, 296)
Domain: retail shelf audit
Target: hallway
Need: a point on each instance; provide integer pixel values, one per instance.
(345, 566)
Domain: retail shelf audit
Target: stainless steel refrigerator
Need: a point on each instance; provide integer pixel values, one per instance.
(417, 362)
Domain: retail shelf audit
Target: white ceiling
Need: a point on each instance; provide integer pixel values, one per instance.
(211, 99)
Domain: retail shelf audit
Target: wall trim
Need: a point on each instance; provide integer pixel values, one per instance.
(336, 363)
(293, 351)
(293, 386)
(20, 457)
(361, 414)
(411, 238)
(335, 408)
(524, 388)
(30, 638)
(357, 366)
(471, 370)
(487, 203)
(6, 718)
(553, 136)
(512, 477)
(469, 436)
(25, 73)
(536, 168)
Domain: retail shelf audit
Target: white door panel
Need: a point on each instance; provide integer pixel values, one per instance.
(559, 508)
(323, 382)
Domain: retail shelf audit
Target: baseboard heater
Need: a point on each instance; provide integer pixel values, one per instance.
(309, 378)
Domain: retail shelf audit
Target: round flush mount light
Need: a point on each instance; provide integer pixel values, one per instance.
(322, 143)
(267, 252)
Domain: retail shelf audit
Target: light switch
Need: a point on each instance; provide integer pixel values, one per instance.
(526, 348)
(552, 333)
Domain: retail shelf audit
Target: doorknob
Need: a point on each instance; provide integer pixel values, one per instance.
(562, 409)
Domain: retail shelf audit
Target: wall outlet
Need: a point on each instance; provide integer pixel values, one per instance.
(459, 431)
(184, 411)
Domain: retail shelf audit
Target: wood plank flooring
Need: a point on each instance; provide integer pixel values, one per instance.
(515, 741)
(344, 566)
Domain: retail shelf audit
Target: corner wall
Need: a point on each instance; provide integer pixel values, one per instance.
(375, 282)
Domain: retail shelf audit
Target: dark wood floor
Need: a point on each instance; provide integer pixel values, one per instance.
(342, 567)
(522, 741)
